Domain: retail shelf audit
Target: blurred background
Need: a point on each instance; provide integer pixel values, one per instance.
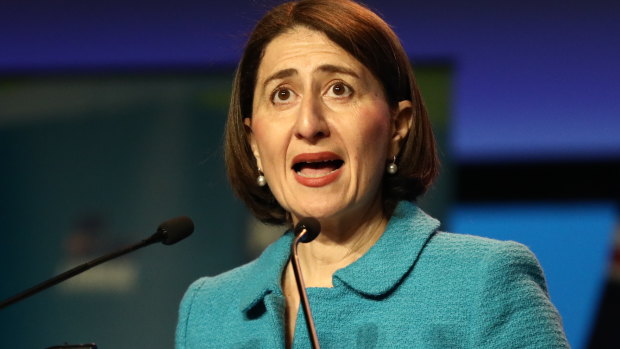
(111, 119)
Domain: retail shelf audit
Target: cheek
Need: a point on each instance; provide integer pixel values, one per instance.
(261, 139)
(377, 129)
(269, 140)
(374, 133)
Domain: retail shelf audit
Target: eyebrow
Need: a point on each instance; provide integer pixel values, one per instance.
(285, 73)
(330, 68)
(327, 68)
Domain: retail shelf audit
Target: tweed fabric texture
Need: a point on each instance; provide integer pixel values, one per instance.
(415, 288)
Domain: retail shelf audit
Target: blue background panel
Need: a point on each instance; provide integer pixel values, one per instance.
(571, 241)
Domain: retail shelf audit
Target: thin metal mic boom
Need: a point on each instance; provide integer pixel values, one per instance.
(169, 232)
(306, 230)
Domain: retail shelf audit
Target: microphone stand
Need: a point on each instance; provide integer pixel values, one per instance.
(169, 232)
(301, 287)
(75, 271)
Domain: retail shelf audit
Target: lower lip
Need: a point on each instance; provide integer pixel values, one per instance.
(318, 181)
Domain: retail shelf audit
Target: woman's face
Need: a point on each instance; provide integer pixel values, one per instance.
(321, 130)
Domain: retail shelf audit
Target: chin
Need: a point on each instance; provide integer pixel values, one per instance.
(320, 210)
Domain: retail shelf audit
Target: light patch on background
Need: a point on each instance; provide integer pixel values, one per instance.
(118, 276)
(260, 235)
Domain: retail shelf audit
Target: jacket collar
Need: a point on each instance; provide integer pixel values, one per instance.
(264, 274)
(374, 274)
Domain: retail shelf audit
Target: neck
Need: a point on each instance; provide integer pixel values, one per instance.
(340, 243)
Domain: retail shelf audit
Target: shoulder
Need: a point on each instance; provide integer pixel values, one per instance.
(214, 305)
(211, 311)
(468, 265)
(204, 298)
(480, 251)
(253, 275)
(489, 262)
(222, 284)
(219, 286)
(509, 302)
(476, 244)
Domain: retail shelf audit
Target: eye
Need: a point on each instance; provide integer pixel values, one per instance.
(339, 90)
(282, 95)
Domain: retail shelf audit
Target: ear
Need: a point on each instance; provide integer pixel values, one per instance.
(402, 118)
(248, 129)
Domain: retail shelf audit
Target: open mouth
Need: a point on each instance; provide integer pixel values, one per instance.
(316, 169)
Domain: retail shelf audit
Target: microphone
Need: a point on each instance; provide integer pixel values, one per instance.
(168, 233)
(173, 230)
(306, 230)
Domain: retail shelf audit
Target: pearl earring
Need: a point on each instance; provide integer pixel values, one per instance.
(260, 180)
(391, 167)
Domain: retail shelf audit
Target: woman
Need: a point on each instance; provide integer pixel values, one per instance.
(326, 120)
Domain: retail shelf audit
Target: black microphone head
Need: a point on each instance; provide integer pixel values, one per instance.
(175, 230)
(312, 227)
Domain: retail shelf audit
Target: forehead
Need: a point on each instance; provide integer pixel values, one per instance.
(302, 49)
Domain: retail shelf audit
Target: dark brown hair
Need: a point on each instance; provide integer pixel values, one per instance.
(365, 36)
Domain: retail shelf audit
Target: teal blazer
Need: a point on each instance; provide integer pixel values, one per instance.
(415, 288)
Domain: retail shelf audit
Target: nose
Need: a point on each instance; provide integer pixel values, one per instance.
(311, 124)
